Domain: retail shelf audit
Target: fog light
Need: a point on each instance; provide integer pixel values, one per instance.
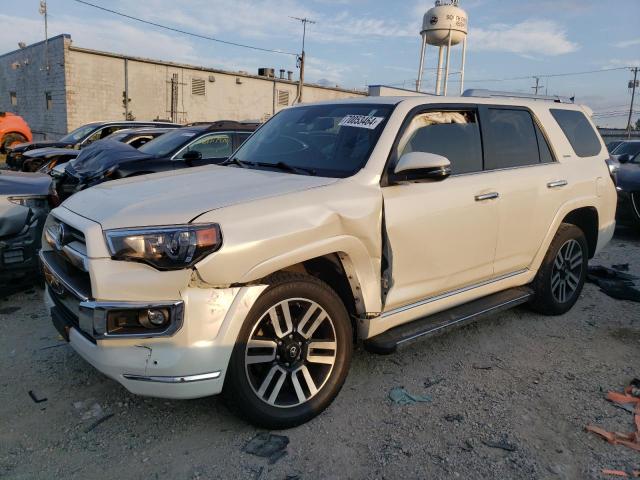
(157, 318)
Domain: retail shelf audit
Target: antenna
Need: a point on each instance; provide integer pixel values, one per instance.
(301, 57)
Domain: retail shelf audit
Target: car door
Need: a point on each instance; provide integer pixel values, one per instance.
(441, 234)
(531, 183)
(212, 148)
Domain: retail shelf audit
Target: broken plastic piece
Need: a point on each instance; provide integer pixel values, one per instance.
(268, 445)
(401, 397)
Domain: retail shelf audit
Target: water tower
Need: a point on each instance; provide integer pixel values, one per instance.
(443, 26)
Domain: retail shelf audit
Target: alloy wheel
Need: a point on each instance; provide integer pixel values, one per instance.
(567, 271)
(291, 352)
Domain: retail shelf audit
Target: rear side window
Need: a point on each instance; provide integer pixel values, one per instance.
(578, 131)
(510, 139)
(454, 135)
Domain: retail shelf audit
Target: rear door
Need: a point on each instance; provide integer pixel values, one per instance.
(531, 183)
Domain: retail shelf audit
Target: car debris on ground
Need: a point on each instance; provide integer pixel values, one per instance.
(630, 396)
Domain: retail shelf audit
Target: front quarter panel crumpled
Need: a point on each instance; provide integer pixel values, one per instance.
(343, 217)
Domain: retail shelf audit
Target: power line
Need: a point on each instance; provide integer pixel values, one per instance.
(549, 75)
(184, 32)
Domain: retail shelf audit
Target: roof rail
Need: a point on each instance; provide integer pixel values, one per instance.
(481, 92)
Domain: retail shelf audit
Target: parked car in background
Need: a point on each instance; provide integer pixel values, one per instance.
(630, 148)
(44, 159)
(612, 145)
(77, 139)
(192, 146)
(25, 201)
(13, 130)
(628, 187)
(384, 219)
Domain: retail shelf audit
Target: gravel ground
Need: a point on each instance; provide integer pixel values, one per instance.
(528, 381)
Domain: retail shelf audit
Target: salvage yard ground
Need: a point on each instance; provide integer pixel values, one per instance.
(510, 397)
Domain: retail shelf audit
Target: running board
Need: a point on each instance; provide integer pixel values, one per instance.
(387, 342)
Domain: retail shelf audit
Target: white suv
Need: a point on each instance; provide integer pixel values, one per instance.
(378, 219)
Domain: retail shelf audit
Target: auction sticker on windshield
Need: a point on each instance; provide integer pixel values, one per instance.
(360, 121)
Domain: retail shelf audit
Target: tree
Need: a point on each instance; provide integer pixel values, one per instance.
(638, 124)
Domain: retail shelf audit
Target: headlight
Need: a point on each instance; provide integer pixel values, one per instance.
(165, 248)
(31, 201)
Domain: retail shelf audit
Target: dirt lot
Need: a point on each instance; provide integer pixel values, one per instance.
(528, 381)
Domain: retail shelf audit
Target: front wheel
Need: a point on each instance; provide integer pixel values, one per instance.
(563, 272)
(292, 355)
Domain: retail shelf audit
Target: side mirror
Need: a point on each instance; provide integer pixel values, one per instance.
(415, 166)
(624, 158)
(191, 155)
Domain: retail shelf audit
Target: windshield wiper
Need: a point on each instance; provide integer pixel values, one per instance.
(286, 167)
(235, 161)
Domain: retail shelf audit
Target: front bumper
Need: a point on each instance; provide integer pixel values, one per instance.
(187, 362)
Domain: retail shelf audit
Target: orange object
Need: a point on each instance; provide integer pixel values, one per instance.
(630, 440)
(13, 130)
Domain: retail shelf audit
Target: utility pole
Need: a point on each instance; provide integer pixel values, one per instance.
(301, 57)
(43, 11)
(537, 86)
(633, 86)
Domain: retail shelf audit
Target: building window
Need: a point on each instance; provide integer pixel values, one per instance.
(283, 98)
(197, 86)
(14, 98)
(48, 100)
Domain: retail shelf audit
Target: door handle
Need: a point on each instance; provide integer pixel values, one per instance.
(487, 196)
(557, 184)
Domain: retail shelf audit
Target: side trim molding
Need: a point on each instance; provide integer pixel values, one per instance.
(451, 293)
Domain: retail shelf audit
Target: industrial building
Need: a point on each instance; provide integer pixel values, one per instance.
(57, 87)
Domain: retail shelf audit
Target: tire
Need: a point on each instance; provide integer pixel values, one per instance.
(563, 272)
(634, 198)
(11, 139)
(256, 369)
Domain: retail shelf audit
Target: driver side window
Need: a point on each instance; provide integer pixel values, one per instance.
(217, 145)
(452, 134)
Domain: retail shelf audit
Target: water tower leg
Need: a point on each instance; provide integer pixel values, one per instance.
(464, 59)
(439, 73)
(446, 68)
(422, 49)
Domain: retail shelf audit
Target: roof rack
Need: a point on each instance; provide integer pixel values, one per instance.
(481, 92)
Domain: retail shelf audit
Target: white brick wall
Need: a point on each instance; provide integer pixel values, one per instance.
(87, 86)
(24, 72)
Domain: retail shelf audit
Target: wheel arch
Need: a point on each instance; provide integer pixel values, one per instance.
(587, 220)
(582, 212)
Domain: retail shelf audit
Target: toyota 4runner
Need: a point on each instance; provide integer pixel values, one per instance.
(379, 220)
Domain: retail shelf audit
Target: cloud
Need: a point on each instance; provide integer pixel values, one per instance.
(621, 62)
(531, 37)
(627, 43)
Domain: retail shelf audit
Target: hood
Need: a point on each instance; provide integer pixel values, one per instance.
(22, 183)
(51, 152)
(103, 155)
(628, 177)
(178, 197)
(23, 147)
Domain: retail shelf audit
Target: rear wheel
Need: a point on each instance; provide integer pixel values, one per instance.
(563, 272)
(292, 355)
(12, 139)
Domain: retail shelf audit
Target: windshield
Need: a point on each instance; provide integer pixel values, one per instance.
(326, 140)
(78, 134)
(627, 148)
(166, 144)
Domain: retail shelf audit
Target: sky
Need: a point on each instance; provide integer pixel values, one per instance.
(355, 43)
